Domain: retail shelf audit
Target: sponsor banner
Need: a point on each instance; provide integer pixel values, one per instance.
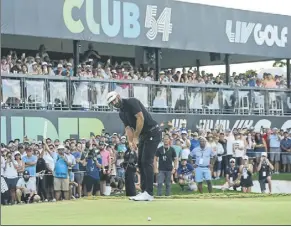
(79, 124)
(152, 23)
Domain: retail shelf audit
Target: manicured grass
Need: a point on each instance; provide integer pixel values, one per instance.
(118, 211)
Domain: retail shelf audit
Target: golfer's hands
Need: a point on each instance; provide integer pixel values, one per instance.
(156, 171)
(132, 146)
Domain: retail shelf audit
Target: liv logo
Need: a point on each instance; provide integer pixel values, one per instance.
(161, 25)
(269, 35)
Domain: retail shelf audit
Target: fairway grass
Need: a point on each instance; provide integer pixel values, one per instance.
(119, 211)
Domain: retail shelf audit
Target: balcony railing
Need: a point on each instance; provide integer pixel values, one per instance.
(63, 93)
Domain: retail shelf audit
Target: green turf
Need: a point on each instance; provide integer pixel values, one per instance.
(255, 211)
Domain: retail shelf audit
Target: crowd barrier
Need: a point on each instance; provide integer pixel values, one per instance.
(71, 93)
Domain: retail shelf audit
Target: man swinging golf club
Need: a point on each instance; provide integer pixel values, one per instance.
(142, 131)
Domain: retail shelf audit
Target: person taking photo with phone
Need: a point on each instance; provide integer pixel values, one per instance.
(264, 168)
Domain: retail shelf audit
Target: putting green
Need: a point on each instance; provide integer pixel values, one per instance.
(119, 211)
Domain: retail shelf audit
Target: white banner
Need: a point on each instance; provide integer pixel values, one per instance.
(36, 91)
(177, 94)
(141, 93)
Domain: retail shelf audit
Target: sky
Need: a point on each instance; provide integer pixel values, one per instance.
(269, 6)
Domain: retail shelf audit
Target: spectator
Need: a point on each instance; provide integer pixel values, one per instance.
(286, 152)
(203, 156)
(42, 54)
(20, 163)
(246, 171)
(232, 176)
(26, 189)
(218, 161)
(16, 68)
(238, 148)
(186, 175)
(30, 163)
(165, 157)
(260, 146)
(61, 176)
(264, 169)
(11, 175)
(93, 166)
(275, 150)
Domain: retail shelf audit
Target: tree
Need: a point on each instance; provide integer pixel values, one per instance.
(279, 63)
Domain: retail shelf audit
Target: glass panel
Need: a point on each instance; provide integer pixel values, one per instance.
(195, 99)
(178, 101)
(141, 92)
(35, 94)
(99, 93)
(275, 102)
(229, 98)
(258, 102)
(159, 100)
(80, 95)
(58, 94)
(287, 102)
(122, 89)
(211, 100)
(243, 103)
(11, 90)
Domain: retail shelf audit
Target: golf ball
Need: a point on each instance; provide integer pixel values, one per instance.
(149, 218)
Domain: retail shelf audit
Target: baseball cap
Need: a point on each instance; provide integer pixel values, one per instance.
(26, 172)
(232, 160)
(61, 147)
(264, 154)
(123, 137)
(184, 132)
(245, 157)
(195, 134)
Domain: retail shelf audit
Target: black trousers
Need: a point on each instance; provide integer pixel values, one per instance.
(130, 182)
(147, 148)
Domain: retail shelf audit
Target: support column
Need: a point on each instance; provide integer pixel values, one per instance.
(198, 66)
(227, 69)
(288, 73)
(157, 63)
(76, 52)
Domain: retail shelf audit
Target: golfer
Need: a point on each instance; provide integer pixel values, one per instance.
(142, 131)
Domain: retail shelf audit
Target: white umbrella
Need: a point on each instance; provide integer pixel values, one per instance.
(274, 71)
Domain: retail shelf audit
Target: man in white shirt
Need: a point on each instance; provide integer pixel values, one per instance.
(26, 189)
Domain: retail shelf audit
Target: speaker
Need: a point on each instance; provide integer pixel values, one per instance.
(215, 57)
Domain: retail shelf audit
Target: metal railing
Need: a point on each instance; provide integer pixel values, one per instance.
(71, 93)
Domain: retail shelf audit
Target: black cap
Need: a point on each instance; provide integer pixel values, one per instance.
(26, 172)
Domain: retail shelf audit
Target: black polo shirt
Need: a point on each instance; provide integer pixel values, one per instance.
(166, 157)
(129, 108)
(232, 172)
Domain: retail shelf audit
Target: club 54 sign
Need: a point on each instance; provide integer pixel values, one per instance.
(270, 35)
(114, 18)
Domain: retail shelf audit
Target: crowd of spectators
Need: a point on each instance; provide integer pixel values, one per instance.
(92, 67)
(33, 171)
